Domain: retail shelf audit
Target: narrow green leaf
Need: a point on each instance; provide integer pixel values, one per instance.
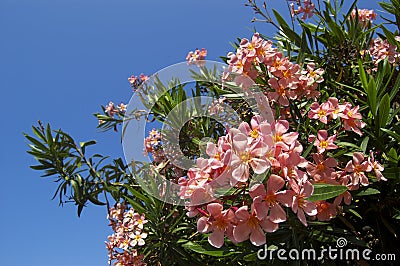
(364, 144)
(355, 213)
(363, 76)
(207, 249)
(371, 94)
(326, 191)
(367, 192)
(383, 111)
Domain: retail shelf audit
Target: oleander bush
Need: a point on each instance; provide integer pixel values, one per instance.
(314, 160)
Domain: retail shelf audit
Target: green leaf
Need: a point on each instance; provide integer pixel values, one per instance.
(326, 191)
(367, 192)
(251, 257)
(364, 144)
(372, 96)
(83, 145)
(138, 195)
(392, 156)
(363, 75)
(383, 111)
(207, 249)
(355, 213)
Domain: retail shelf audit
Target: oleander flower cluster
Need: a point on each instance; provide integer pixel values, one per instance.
(196, 57)
(153, 145)
(136, 81)
(364, 16)
(304, 8)
(382, 49)
(272, 150)
(287, 80)
(111, 111)
(127, 237)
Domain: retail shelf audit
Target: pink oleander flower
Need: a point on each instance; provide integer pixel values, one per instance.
(335, 107)
(197, 55)
(281, 93)
(110, 109)
(352, 119)
(322, 169)
(320, 112)
(143, 77)
(307, 9)
(132, 79)
(376, 167)
(243, 156)
(290, 73)
(250, 47)
(218, 222)
(280, 137)
(276, 62)
(365, 16)
(323, 142)
(137, 238)
(217, 106)
(250, 227)
(382, 49)
(139, 220)
(313, 75)
(301, 205)
(122, 107)
(326, 211)
(357, 166)
(136, 81)
(267, 201)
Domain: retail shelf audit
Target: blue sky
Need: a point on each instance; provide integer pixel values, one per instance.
(59, 61)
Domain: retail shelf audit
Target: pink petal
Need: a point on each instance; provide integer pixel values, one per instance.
(259, 165)
(240, 142)
(310, 208)
(286, 197)
(241, 173)
(241, 232)
(216, 238)
(203, 225)
(308, 189)
(269, 226)
(242, 213)
(214, 209)
(277, 214)
(260, 207)
(257, 237)
(257, 190)
(322, 134)
(302, 217)
(275, 183)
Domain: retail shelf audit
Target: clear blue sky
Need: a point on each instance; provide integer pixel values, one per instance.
(59, 61)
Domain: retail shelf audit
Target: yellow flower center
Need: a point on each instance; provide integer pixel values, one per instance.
(277, 138)
(321, 113)
(254, 133)
(323, 144)
(245, 157)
